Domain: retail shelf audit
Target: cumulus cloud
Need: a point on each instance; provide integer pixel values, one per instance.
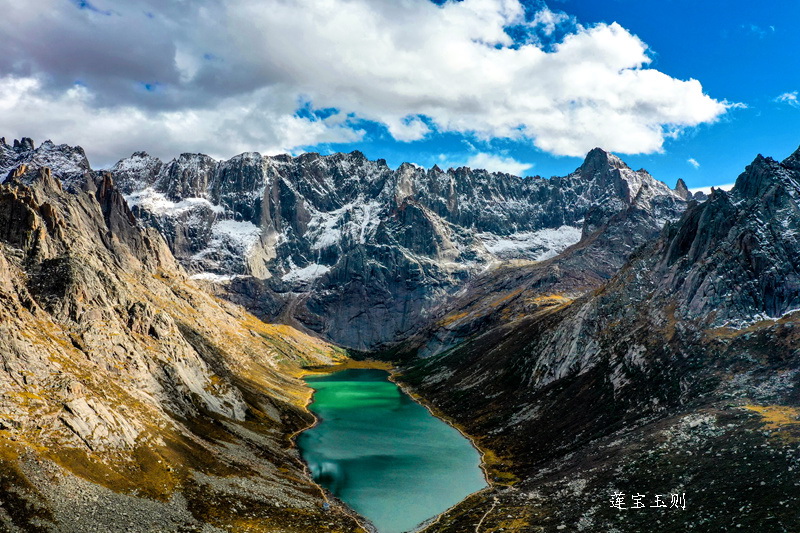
(497, 163)
(223, 77)
(692, 161)
(789, 98)
(110, 132)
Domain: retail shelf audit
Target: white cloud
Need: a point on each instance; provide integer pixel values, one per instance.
(692, 161)
(757, 30)
(707, 190)
(108, 133)
(789, 98)
(497, 163)
(549, 20)
(223, 77)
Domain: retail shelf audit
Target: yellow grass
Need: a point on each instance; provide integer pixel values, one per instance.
(777, 416)
(347, 364)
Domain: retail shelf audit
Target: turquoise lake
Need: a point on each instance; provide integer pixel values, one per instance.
(383, 454)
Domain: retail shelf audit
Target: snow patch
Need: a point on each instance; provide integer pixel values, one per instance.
(244, 234)
(537, 245)
(324, 229)
(158, 204)
(210, 276)
(357, 220)
(307, 273)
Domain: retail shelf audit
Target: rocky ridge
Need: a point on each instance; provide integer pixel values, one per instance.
(361, 253)
(654, 351)
(679, 375)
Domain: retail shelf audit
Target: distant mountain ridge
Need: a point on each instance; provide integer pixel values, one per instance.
(366, 252)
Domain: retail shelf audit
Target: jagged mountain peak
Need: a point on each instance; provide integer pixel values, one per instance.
(682, 190)
(134, 161)
(608, 174)
(194, 155)
(598, 160)
(765, 174)
(734, 258)
(357, 154)
(308, 157)
(136, 172)
(69, 163)
(24, 144)
(793, 161)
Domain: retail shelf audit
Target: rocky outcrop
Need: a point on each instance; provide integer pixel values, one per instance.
(735, 259)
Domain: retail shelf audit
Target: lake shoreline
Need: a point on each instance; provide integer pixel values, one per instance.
(339, 505)
(394, 376)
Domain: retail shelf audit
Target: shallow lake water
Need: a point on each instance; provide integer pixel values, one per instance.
(384, 454)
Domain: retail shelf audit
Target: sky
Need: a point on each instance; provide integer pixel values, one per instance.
(682, 88)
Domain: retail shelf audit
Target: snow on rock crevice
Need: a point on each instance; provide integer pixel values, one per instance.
(158, 204)
(242, 234)
(211, 277)
(534, 245)
(307, 273)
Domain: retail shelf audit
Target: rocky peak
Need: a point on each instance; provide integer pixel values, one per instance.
(67, 162)
(682, 190)
(23, 145)
(598, 160)
(308, 157)
(188, 176)
(735, 258)
(757, 177)
(607, 176)
(137, 172)
(793, 161)
(765, 176)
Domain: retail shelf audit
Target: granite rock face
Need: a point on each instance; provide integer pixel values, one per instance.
(362, 253)
(735, 258)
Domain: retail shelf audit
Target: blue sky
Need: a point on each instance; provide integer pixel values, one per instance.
(518, 85)
(744, 52)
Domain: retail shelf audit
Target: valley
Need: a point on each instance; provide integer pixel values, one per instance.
(594, 334)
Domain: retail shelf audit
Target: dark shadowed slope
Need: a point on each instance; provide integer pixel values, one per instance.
(679, 375)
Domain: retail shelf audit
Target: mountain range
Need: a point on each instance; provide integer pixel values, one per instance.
(594, 333)
(363, 254)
